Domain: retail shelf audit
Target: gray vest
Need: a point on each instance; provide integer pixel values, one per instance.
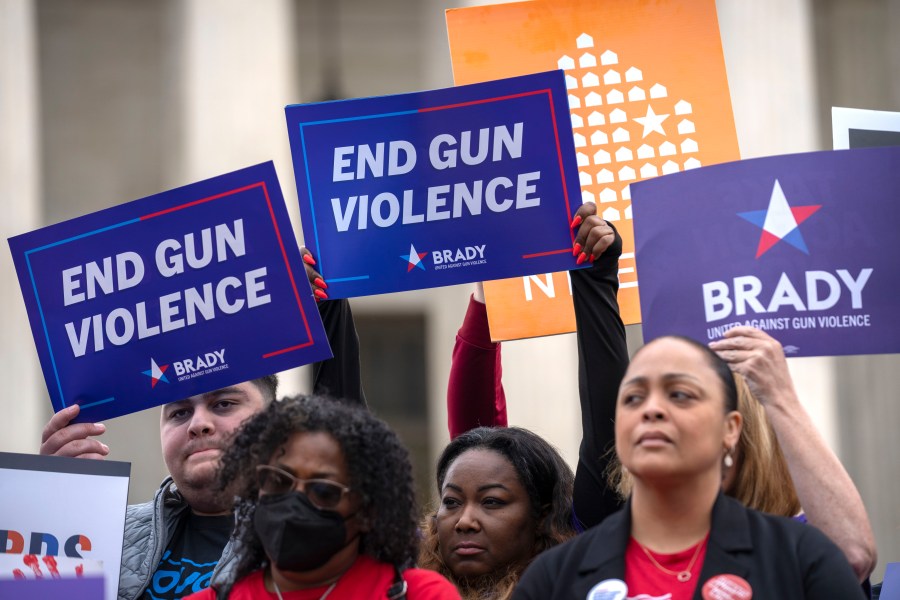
(149, 528)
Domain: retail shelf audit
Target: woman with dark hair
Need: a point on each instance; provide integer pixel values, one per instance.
(475, 395)
(679, 536)
(505, 496)
(325, 508)
(760, 477)
(764, 476)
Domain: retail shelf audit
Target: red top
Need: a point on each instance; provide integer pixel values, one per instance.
(367, 578)
(647, 581)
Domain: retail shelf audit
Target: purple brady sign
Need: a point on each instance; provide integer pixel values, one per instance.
(436, 188)
(796, 245)
(177, 294)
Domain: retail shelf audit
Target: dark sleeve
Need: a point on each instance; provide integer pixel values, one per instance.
(339, 377)
(475, 396)
(826, 572)
(602, 360)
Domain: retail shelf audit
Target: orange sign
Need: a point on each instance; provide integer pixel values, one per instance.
(648, 96)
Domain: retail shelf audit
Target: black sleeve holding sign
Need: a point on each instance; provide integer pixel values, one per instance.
(339, 377)
(602, 360)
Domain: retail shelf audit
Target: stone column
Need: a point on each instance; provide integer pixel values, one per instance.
(234, 72)
(24, 407)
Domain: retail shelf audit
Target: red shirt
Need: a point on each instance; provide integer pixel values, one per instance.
(367, 578)
(646, 581)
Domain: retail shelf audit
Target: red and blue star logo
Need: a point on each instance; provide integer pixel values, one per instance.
(156, 373)
(414, 259)
(780, 222)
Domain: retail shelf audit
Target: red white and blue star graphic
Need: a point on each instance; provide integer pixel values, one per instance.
(414, 259)
(780, 222)
(156, 373)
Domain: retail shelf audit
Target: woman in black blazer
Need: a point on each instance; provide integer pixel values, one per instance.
(679, 538)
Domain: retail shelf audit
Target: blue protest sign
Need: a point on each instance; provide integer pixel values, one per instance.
(436, 188)
(172, 295)
(796, 245)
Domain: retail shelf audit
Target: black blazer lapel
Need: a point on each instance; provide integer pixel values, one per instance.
(604, 557)
(730, 547)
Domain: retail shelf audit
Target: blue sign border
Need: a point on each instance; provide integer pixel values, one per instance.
(484, 93)
(259, 177)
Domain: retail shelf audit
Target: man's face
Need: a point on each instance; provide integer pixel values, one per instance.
(195, 431)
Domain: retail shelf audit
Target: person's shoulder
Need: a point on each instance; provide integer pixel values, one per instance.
(139, 511)
(571, 555)
(819, 560)
(783, 527)
(423, 584)
(143, 512)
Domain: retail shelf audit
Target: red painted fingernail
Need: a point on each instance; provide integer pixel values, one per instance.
(308, 259)
(591, 258)
(581, 258)
(320, 294)
(576, 221)
(576, 249)
(321, 283)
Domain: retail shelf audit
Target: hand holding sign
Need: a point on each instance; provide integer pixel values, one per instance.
(759, 358)
(594, 234)
(315, 278)
(61, 437)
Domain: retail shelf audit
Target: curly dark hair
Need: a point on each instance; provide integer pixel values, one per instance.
(377, 462)
(542, 472)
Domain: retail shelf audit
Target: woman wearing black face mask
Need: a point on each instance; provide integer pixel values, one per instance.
(325, 508)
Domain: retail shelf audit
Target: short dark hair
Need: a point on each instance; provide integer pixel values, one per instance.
(377, 462)
(268, 385)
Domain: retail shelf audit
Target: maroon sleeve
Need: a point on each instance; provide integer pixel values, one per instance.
(475, 395)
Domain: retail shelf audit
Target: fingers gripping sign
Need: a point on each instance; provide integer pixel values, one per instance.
(594, 235)
(758, 357)
(59, 438)
(315, 278)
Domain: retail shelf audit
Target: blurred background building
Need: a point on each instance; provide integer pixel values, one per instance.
(105, 101)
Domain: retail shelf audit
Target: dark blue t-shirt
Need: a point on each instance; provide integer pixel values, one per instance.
(187, 564)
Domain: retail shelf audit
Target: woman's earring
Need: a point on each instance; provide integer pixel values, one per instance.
(729, 461)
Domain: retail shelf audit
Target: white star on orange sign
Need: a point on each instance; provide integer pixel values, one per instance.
(652, 122)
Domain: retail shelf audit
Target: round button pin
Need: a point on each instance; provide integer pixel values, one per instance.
(608, 589)
(727, 587)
